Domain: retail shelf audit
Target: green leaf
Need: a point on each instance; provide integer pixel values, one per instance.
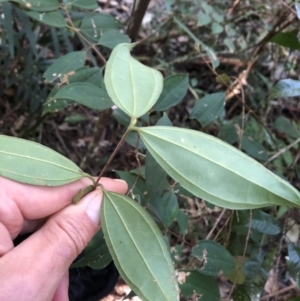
(88, 75)
(285, 88)
(228, 133)
(96, 254)
(32, 163)
(208, 108)
(203, 18)
(53, 18)
(94, 25)
(165, 208)
(121, 117)
(164, 120)
(175, 88)
(75, 118)
(8, 24)
(139, 187)
(254, 148)
(284, 125)
(65, 65)
(286, 39)
(37, 5)
(154, 174)
(132, 86)
(87, 4)
(215, 259)
(194, 284)
(264, 223)
(216, 28)
(182, 220)
(86, 94)
(112, 37)
(216, 171)
(53, 105)
(138, 249)
(209, 51)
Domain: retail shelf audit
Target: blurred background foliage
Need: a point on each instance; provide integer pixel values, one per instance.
(223, 63)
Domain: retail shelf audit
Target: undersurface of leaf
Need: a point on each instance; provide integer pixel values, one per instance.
(32, 163)
(138, 249)
(285, 88)
(216, 171)
(132, 86)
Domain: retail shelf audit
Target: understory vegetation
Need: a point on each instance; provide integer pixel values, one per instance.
(230, 69)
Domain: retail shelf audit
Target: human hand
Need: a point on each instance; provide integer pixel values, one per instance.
(37, 269)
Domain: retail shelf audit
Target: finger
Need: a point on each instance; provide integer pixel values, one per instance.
(51, 249)
(39, 201)
(62, 290)
(6, 243)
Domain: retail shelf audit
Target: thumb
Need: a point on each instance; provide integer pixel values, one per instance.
(53, 248)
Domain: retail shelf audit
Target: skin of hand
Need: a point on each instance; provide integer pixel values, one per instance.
(37, 269)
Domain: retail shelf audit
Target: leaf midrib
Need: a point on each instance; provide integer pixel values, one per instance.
(134, 240)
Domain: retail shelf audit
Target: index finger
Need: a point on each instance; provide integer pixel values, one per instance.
(36, 202)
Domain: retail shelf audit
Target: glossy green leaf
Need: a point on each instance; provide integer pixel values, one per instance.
(138, 249)
(293, 262)
(201, 287)
(175, 88)
(53, 18)
(216, 171)
(65, 65)
(264, 223)
(37, 5)
(96, 254)
(86, 94)
(284, 125)
(165, 208)
(254, 148)
(112, 37)
(94, 25)
(32, 163)
(208, 108)
(209, 51)
(87, 4)
(132, 86)
(286, 39)
(285, 88)
(215, 259)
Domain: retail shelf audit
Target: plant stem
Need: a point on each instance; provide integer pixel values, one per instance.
(112, 155)
(77, 30)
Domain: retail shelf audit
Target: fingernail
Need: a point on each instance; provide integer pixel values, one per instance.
(93, 208)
